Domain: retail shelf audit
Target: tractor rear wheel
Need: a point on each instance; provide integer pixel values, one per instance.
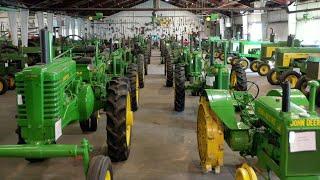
(273, 77)
(169, 72)
(100, 168)
(119, 120)
(263, 69)
(254, 66)
(3, 86)
(179, 88)
(302, 85)
(291, 76)
(91, 124)
(238, 78)
(141, 70)
(134, 86)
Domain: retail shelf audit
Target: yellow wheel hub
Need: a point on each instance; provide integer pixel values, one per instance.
(245, 172)
(129, 120)
(210, 138)
(108, 175)
(244, 63)
(1, 86)
(10, 81)
(233, 79)
(274, 77)
(264, 69)
(254, 66)
(292, 80)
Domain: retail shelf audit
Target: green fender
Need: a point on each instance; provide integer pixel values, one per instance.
(296, 96)
(236, 133)
(221, 103)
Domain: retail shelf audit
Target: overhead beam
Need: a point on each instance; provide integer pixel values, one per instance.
(235, 9)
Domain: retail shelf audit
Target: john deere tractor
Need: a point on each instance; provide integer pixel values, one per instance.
(65, 90)
(281, 129)
(286, 60)
(267, 54)
(195, 74)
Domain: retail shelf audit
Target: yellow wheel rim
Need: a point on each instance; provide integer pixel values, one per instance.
(216, 54)
(264, 69)
(10, 81)
(129, 119)
(210, 137)
(137, 89)
(293, 80)
(1, 86)
(233, 79)
(274, 77)
(244, 63)
(245, 172)
(108, 175)
(254, 66)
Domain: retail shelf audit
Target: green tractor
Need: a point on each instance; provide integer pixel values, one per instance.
(281, 129)
(172, 52)
(312, 72)
(286, 60)
(65, 90)
(195, 74)
(267, 54)
(143, 46)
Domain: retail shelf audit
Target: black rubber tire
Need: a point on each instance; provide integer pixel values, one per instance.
(4, 84)
(260, 66)
(98, 168)
(141, 70)
(132, 75)
(302, 85)
(91, 124)
(269, 77)
(179, 88)
(318, 97)
(244, 62)
(241, 84)
(118, 150)
(285, 74)
(145, 64)
(169, 72)
(254, 66)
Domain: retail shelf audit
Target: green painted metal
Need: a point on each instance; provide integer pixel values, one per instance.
(265, 131)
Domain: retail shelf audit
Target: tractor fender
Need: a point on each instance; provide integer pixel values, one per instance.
(221, 103)
(85, 102)
(296, 96)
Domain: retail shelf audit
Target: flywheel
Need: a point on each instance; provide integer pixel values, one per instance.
(210, 138)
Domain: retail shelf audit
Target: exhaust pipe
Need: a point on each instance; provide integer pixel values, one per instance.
(45, 46)
(285, 96)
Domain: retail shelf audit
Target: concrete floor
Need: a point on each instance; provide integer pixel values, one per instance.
(164, 144)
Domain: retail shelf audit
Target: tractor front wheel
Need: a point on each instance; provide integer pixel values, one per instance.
(134, 86)
(244, 62)
(100, 167)
(273, 77)
(90, 125)
(179, 88)
(3, 86)
(119, 120)
(263, 69)
(291, 76)
(169, 72)
(141, 70)
(254, 66)
(238, 78)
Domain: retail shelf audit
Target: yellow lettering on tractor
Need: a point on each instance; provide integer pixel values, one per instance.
(305, 123)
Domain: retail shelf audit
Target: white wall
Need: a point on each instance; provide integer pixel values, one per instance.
(127, 22)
